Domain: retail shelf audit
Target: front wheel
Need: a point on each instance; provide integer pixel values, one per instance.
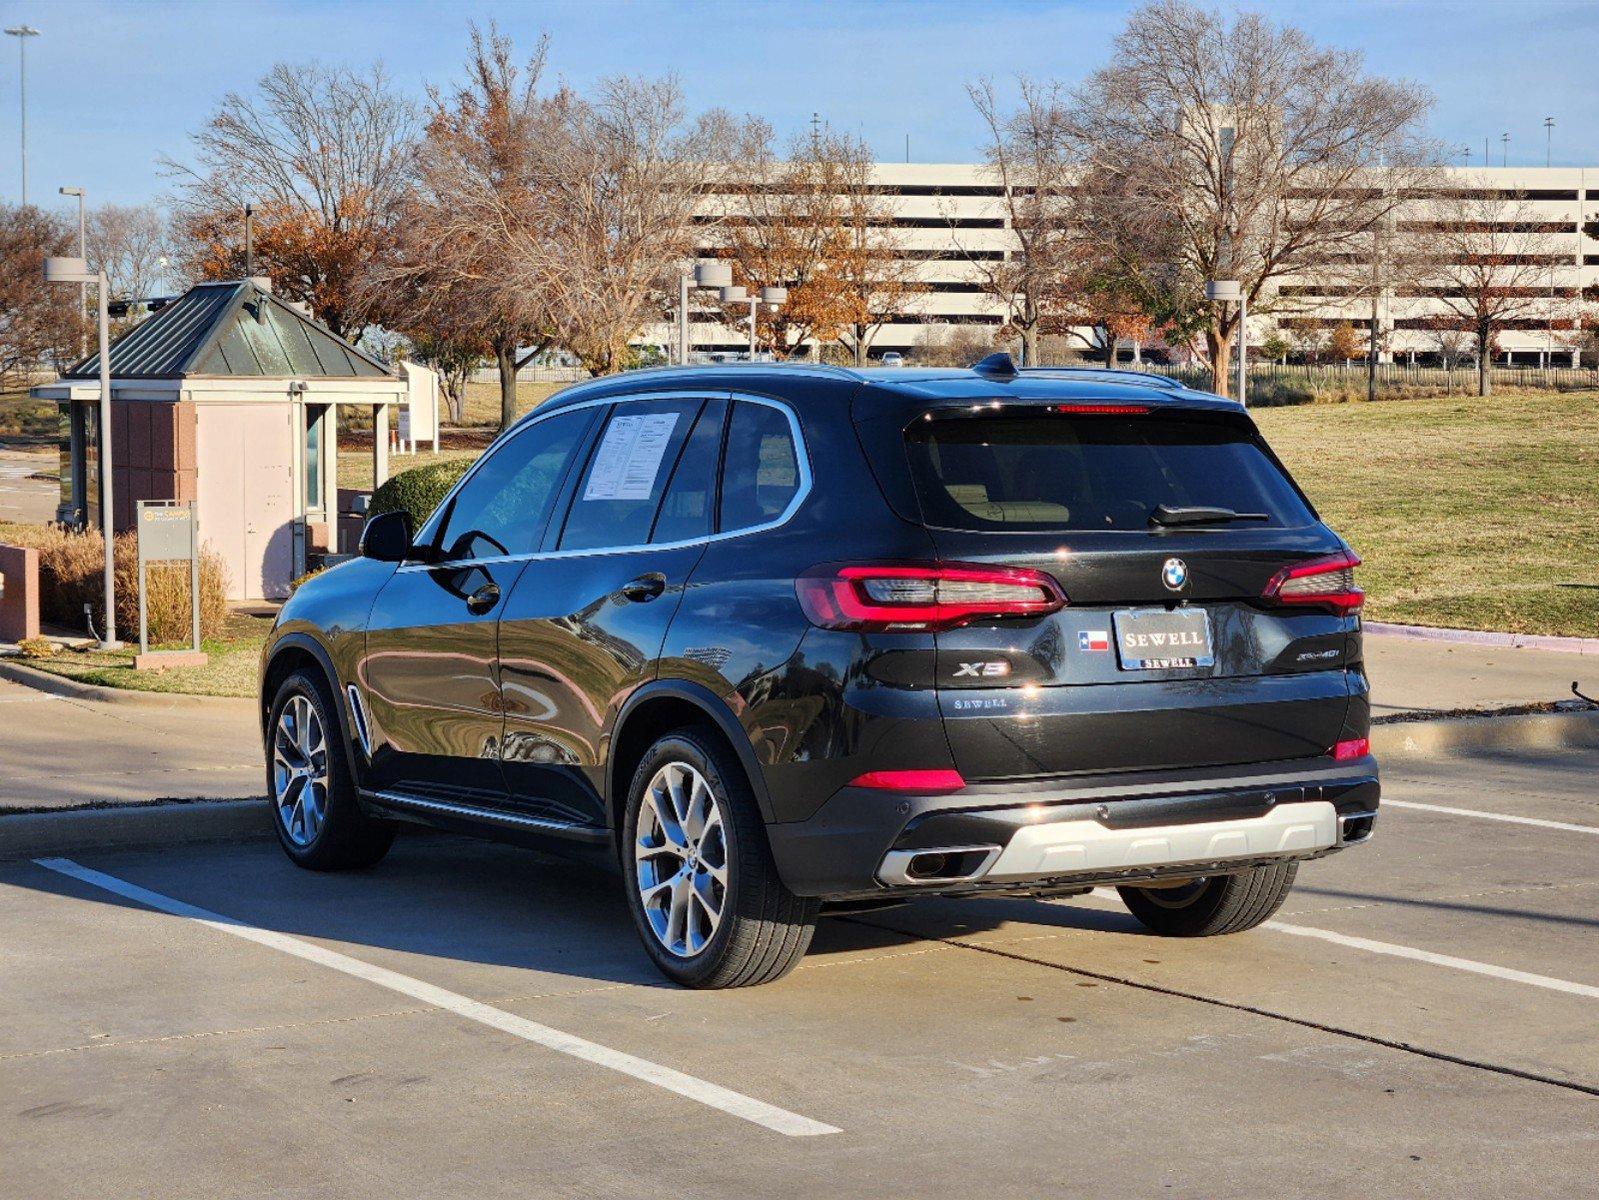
(1212, 905)
(701, 883)
(320, 825)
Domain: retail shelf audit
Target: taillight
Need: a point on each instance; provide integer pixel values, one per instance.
(921, 597)
(924, 781)
(1329, 582)
(1353, 748)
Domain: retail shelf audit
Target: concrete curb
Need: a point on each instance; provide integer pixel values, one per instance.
(132, 827)
(72, 689)
(1474, 637)
(1394, 740)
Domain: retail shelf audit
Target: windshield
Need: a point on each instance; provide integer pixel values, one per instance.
(1047, 470)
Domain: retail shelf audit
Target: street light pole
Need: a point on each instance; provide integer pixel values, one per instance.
(75, 270)
(83, 253)
(1548, 141)
(22, 33)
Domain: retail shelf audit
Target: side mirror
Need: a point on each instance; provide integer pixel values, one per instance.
(387, 537)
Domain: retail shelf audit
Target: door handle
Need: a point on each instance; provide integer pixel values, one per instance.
(645, 587)
(485, 598)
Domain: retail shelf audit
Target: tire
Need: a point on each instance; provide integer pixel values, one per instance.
(1217, 905)
(760, 929)
(320, 825)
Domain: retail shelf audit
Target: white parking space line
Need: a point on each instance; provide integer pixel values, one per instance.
(712, 1095)
(1438, 960)
(1107, 899)
(1539, 822)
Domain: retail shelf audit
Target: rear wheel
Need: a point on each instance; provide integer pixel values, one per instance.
(701, 883)
(314, 809)
(1214, 904)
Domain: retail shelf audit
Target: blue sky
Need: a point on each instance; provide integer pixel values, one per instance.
(114, 85)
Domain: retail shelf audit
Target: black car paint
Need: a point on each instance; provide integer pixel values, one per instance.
(506, 720)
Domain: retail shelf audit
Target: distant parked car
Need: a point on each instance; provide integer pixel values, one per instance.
(791, 639)
(893, 358)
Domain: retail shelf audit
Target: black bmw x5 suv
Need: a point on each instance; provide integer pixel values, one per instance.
(786, 639)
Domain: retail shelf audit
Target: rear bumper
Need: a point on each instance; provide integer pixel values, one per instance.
(1077, 833)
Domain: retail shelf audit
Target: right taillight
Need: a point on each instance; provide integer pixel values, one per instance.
(1328, 582)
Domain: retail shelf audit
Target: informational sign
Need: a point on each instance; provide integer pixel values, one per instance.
(629, 457)
(168, 530)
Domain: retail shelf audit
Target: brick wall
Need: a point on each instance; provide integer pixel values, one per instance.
(154, 448)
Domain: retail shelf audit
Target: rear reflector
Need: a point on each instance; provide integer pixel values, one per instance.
(1329, 582)
(929, 782)
(898, 597)
(1354, 748)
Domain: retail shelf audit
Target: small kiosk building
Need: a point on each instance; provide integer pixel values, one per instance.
(229, 396)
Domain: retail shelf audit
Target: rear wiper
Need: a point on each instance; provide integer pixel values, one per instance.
(1197, 514)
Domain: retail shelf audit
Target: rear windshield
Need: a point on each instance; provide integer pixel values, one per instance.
(1074, 471)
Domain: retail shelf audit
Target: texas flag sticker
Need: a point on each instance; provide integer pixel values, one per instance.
(1093, 639)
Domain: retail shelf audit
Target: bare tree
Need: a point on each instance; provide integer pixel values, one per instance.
(130, 244)
(323, 154)
(1493, 260)
(477, 213)
(879, 284)
(782, 224)
(1030, 156)
(1243, 151)
(621, 179)
(37, 319)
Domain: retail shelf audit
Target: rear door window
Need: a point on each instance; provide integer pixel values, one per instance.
(761, 475)
(621, 488)
(691, 496)
(1033, 470)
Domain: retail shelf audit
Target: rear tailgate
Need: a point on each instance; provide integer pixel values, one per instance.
(1166, 654)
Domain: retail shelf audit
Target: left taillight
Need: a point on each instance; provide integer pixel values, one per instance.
(920, 597)
(1329, 582)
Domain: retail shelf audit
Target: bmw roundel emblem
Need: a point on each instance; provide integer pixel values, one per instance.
(1174, 574)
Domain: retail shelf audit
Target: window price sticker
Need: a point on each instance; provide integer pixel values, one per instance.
(629, 457)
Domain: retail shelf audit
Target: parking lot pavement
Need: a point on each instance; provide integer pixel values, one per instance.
(60, 752)
(23, 497)
(470, 1019)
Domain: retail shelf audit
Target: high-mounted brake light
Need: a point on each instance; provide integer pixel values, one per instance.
(899, 597)
(1353, 748)
(928, 782)
(1102, 410)
(1329, 582)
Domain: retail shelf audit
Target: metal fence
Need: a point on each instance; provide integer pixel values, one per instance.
(1351, 377)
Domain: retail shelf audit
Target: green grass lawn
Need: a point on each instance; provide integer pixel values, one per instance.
(235, 659)
(24, 418)
(1471, 513)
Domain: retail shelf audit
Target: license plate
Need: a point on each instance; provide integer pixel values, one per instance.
(1158, 639)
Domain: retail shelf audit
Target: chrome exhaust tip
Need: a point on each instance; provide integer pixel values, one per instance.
(936, 865)
(1356, 827)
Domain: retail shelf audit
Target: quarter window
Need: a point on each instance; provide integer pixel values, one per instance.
(761, 475)
(502, 509)
(621, 489)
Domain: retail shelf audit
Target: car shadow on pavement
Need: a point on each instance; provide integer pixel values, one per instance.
(470, 901)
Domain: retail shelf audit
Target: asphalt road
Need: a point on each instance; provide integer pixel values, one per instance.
(473, 1020)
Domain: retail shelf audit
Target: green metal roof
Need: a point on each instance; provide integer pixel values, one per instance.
(232, 328)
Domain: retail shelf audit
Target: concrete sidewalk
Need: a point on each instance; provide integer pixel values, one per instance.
(1410, 676)
(62, 752)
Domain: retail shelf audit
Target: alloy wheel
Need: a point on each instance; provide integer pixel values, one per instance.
(680, 857)
(300, 770)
